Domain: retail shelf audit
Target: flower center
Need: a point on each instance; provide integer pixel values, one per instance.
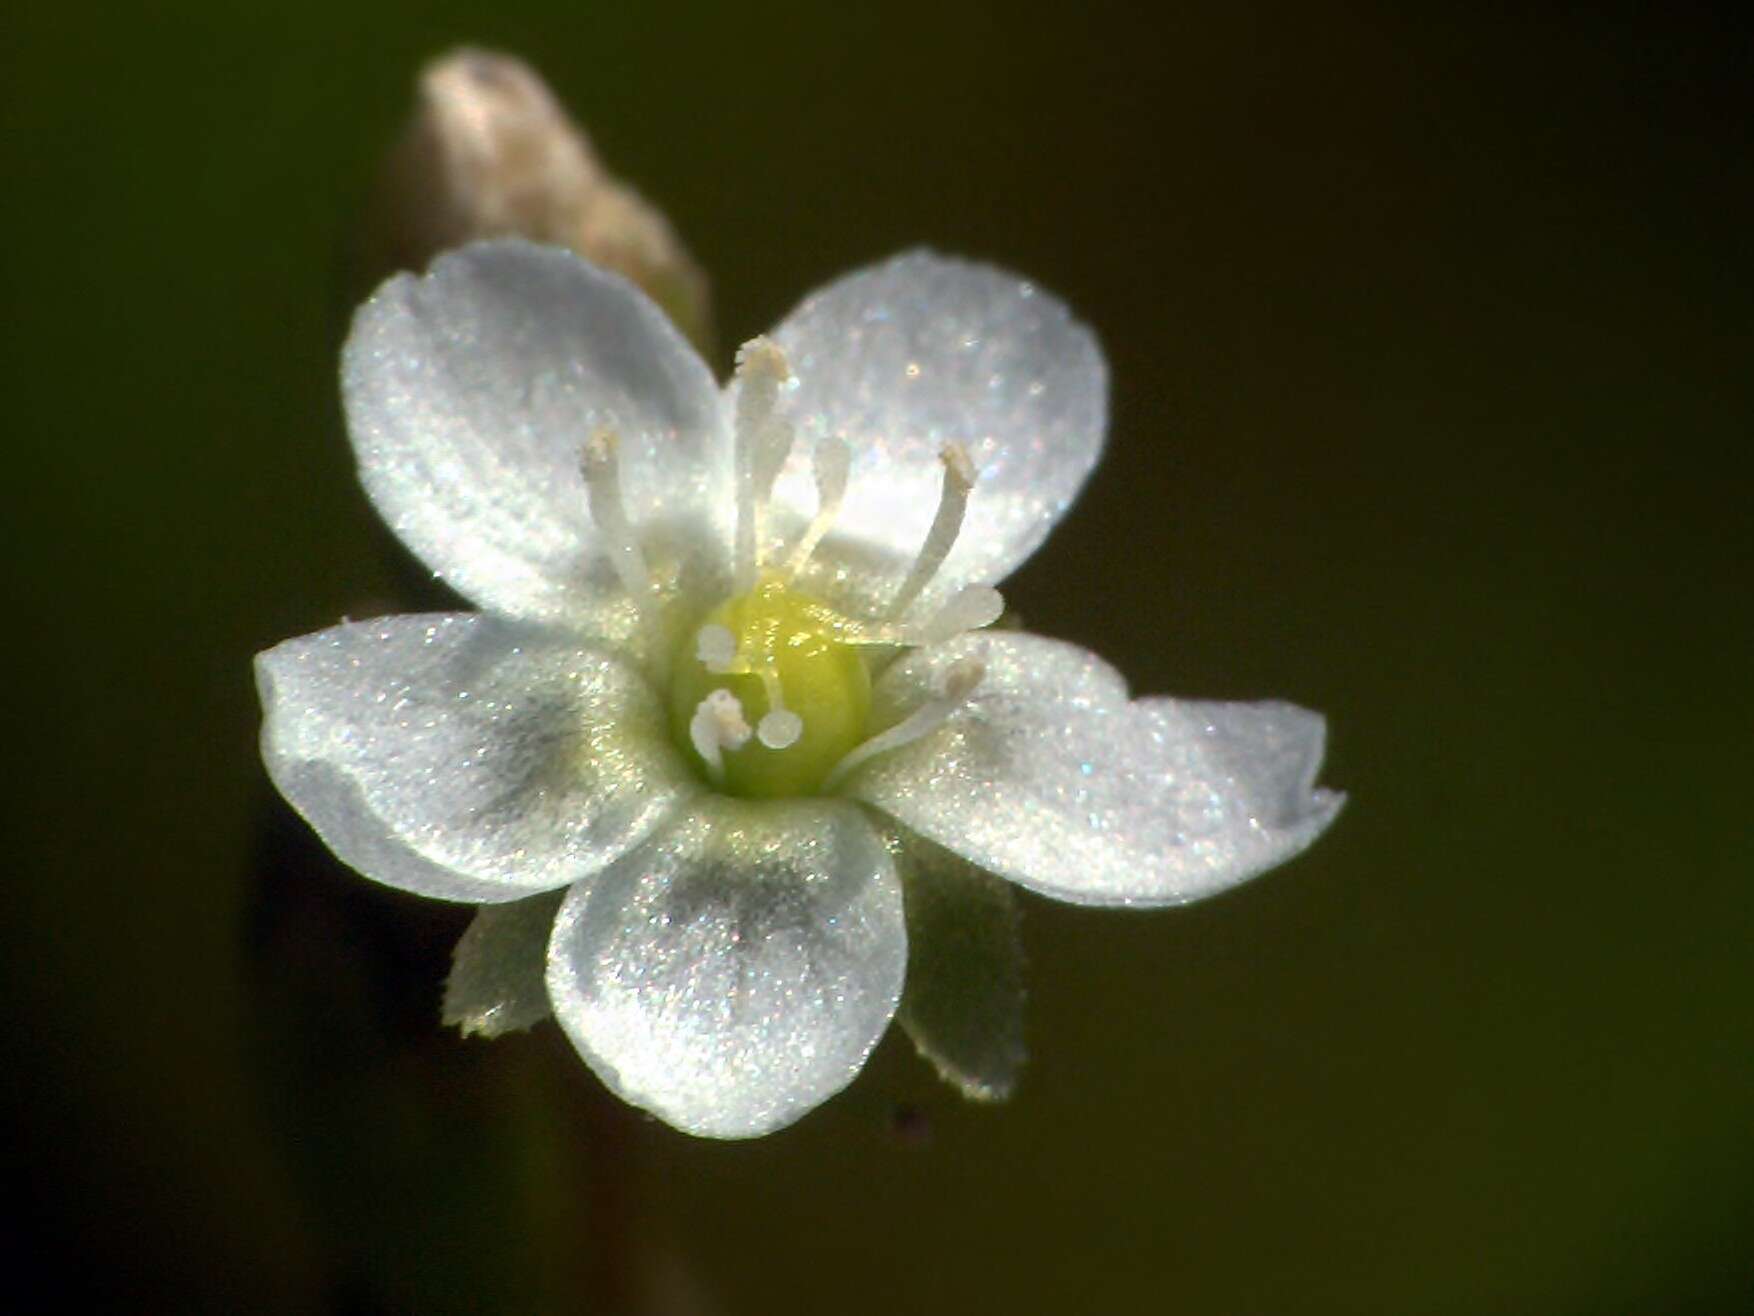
(771, 690)
(791, 671)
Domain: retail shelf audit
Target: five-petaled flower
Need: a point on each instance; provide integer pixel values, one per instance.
(731, 693)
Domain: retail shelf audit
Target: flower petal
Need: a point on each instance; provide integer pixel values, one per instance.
(465, 758)
(963, 1005)
(1050, 777)
(471, 393)
(736, 970)
(904, 357)
(497, 983)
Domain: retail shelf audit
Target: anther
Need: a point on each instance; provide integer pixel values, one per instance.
(602, 473)
(718, 724)
(831, 462)
(716, 647)
(960, 680)
(764, 440)
(959, 477)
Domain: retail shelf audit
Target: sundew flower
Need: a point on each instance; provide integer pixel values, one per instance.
(731, 697)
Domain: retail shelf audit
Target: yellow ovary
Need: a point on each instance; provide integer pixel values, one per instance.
(792, 655)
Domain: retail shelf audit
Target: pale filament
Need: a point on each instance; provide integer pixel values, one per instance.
(831, 462)
(763, 441)
(959, 478)
(960, 681)
(779, 726)
(602, 471)
(717, 725)
(969, 609)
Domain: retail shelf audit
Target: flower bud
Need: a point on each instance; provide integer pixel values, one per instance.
(490, 152)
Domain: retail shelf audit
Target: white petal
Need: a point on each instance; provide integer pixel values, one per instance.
(497, 983)
(737, 970)
(905, 357)
(963, 1005)
(471, 393)
(1050, 777)
(465, 758)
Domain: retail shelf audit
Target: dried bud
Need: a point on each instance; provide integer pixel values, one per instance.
(490, 152)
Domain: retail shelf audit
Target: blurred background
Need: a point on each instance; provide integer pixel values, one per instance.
(1429, 334)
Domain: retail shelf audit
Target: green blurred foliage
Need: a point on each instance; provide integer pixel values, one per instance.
(1429, 335)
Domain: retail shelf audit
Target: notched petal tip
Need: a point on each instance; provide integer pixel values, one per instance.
(1051, 777)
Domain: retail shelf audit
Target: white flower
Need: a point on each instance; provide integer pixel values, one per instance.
(729, 690)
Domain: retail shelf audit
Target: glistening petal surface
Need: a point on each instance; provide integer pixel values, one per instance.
(461, 757)
(904, 357)
(737, 970)
(1051, 777)
(471, 393)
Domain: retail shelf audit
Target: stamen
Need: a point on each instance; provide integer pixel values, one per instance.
(960, 681)
(716, 647)
(959, 478)
(718, 725)
(969, 609)
(603, 490)
(831, 462)
(764, 440)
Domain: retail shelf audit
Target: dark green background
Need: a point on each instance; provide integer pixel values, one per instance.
(1430, 339)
